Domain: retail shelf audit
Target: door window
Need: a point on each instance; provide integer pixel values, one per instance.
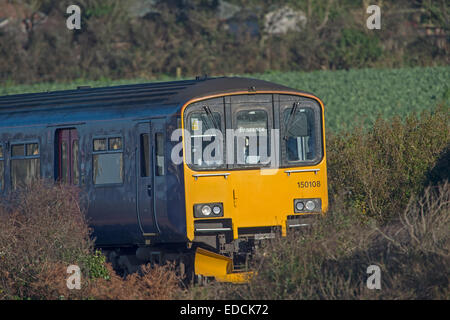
(2, 169)
(252, 140)
(160, 158)
(145, 155)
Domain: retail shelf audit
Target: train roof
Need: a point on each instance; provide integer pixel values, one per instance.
(154, 94)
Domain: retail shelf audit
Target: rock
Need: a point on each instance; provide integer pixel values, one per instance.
(3, 22)
(284, 20)
(142, 8)
(226, 10)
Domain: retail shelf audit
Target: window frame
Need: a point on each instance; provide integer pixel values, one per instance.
(24, 157)
(317, 110)
(216, 105)
(275, 122)
(236, 108)
(107, 151)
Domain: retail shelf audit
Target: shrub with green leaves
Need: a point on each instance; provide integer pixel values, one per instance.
(380, 169)
(356, 49)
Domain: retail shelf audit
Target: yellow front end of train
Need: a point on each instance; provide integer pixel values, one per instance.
(236, 200)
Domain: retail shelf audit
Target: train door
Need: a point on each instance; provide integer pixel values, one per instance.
(159, 171)
(144, 179)
(151, 187)
(68, 154)
(252, 120)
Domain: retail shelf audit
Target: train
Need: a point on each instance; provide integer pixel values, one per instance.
(199, 172)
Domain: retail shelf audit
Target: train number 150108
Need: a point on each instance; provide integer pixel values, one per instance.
(308, 184)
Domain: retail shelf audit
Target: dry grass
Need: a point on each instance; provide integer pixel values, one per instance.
(330, 260)
(43, 231)
(41, 226)
(152, 283)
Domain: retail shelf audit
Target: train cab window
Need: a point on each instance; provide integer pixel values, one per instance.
(301, 132)
(207, 139)
(300, 141)
(2, 169)
(108, 161)
(252, 139)
(25, 164)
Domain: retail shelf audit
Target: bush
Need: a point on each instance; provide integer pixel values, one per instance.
(42, 226)
(356, 49)
(151, 283)
(330, 260)
(379, 170)
(43, 231)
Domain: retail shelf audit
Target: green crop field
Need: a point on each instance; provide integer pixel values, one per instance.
(350, 97)
(361, 95)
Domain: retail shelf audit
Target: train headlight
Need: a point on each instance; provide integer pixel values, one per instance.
(307, 205)
(310, 206)
(208, 210)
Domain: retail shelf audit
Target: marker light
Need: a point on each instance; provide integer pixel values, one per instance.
(216, 210)
(300, 206)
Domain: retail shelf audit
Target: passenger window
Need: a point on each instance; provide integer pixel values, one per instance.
(115, 143)
(25, 164)
(108, 162)
(252, 139)
(145, 155)
(207, 139)
(159, 145)
(99, 145)
(32, 149)
(299, 134)
(2, 168)
(18, 150)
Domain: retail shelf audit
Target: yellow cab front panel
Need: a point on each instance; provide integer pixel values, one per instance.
(249, 192)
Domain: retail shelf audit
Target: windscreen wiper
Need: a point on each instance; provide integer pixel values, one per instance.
(291, 116)
(211, 117)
